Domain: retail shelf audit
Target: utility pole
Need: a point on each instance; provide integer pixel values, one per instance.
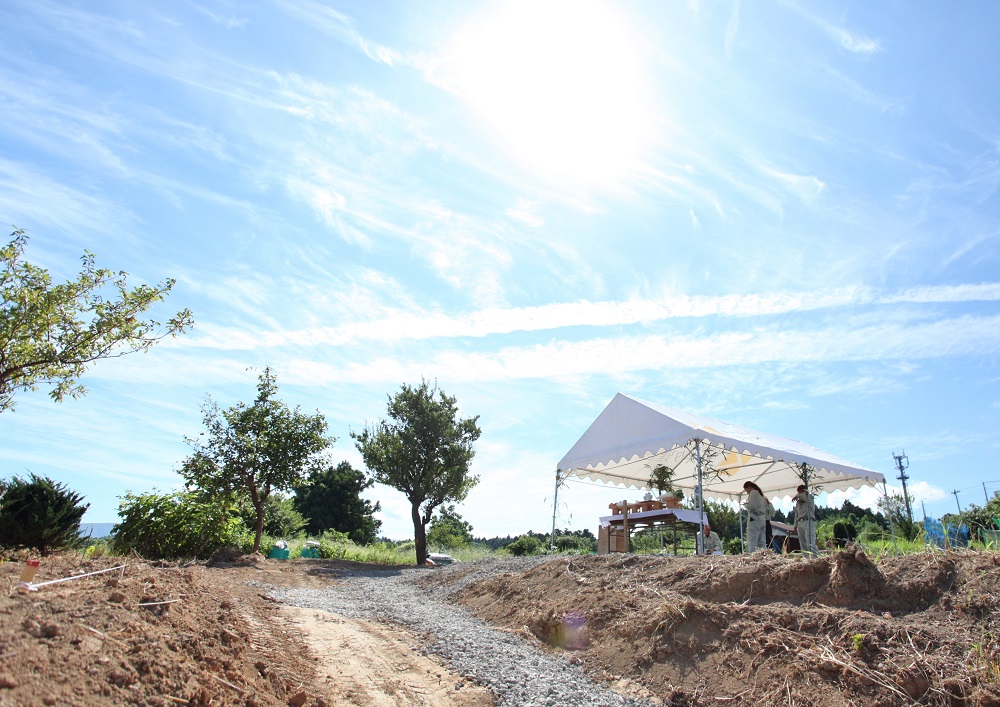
(957, 503)
(986, 494)
(902, 463)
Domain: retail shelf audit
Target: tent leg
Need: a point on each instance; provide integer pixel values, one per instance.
(743, 544)
(892, 526)
(555, 505)
(698, 544)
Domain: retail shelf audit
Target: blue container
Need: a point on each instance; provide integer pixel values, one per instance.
(276, 553)
(310, 552)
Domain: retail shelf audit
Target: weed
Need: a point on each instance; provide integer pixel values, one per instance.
(858, 641)
(985, 658)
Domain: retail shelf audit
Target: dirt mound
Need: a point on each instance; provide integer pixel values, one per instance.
(135, 633)
(767, 629)
(743, 630)
(112, 631)
(229, 556)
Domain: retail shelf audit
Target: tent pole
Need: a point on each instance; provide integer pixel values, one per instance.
(555, 505)
(888, 512)
(698, 542)
(739, 506)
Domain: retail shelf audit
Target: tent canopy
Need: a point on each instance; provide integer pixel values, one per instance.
(631, 437)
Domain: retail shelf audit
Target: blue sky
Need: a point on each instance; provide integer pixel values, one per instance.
(781, 215)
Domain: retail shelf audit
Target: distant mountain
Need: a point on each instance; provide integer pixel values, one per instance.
(96, 530)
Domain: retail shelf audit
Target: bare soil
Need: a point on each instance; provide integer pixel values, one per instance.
(740, 630)
(199, 635)
(765, 629)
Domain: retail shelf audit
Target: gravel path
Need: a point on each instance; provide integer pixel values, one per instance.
(514, 671)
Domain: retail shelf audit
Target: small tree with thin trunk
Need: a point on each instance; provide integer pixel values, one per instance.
(252, 450)
(424, 450)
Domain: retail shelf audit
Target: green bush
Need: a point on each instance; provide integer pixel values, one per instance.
(40, 514)
(732, 546)
(333, 545)
(844, 532)
(524, 545)
(176, 525)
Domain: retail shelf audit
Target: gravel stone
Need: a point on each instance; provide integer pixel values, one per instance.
(516, 672)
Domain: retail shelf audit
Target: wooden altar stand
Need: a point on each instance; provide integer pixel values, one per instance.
(616, 529)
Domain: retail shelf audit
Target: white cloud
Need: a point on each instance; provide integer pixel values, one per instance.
(526, 212)
(413, 323)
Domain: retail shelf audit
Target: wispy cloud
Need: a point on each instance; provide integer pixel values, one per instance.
(849, 40)
(340, 26)
(856, 92)
(805, 187)
(621, 356)
(415, 324)
(31, 199)
(227, 21)
(732, 28)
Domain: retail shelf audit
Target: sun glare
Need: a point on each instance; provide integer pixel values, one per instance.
(560, 83)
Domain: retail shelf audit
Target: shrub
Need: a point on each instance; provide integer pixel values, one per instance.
(524, 545)
(844, 532)
(176, 525)
(333, 545)
(41, 514)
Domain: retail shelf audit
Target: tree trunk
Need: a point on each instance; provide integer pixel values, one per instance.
(419, 533)
(260, 526)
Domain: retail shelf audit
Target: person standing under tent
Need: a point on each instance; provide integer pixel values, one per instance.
(757, 507)
(805, 520)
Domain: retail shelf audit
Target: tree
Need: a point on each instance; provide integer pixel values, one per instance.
(423, 450)
(251, 450)
(50, 334)
(724, 519)
(448, 529)
(893, 506)
(331, 500)
(40, 513)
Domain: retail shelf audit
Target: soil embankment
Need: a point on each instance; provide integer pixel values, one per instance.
(744, 630)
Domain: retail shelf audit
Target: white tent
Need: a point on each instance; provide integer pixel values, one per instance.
(632, 436)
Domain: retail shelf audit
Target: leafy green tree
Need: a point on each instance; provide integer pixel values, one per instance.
(724, 519)
(449, 529)
(331, 499)
(50, 333)
(894, 508)
(173, 525)
(40, 513)
(249, 451)
(281, 518)
(423, 450)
